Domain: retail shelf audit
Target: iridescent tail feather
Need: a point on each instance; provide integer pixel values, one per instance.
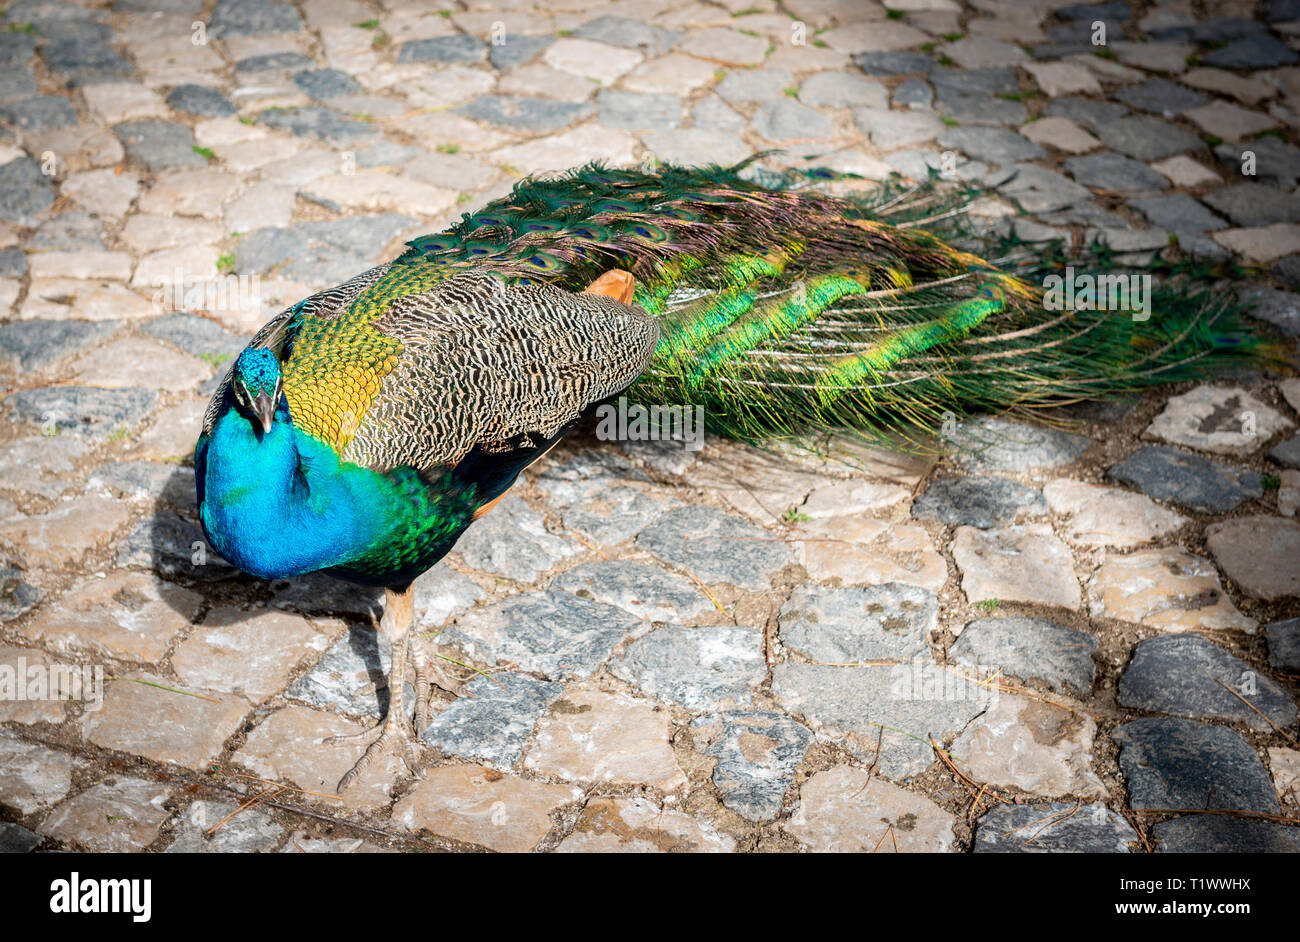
(784, 310)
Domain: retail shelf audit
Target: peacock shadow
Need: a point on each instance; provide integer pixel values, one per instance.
(171, 545)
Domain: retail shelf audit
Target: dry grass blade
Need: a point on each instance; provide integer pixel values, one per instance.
(289, 788)
(269, 793)
(889, 832)
(1046, 822)
(992, 683)
(470, 667)
(976, 793)
(1277, 729)
(150, 683)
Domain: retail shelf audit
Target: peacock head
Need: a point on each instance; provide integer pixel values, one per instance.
(257, 386)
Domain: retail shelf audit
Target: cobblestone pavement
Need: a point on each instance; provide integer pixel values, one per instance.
(724, 650)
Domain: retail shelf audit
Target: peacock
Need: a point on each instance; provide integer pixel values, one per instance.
(366, 427)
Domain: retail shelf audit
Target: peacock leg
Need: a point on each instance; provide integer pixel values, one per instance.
(395, 733)
(431, 671)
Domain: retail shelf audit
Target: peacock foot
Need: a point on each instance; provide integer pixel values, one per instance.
(432, 671)
(395, 737)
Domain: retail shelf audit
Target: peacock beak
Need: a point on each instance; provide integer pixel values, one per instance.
(264, 409)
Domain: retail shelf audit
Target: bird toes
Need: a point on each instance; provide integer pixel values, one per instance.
(396, 738)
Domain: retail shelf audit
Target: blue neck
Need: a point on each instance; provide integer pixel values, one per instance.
(280, 504)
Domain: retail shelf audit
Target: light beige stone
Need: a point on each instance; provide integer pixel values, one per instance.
(1225, 420)
(245, 311)
(1184, 171)
(479, 22)
(1025, 743)
(540, 80)
(451, 86)
(442, 128)
(249, 653)
(839, 454)
(41, 464)
(1288, 493)
(1285, 764)
(562, 151)
(591, 736)
(806, 58)
(1260, 554)
(754, 482)
(14, 663)
(865, 551)
(416, 23)
(694, 147)
(1108, 516)
(213, 132)
(481, 806)
(844, 498)
(170, 78)
(32, 777)
(120, 815)
(1154, 56)
(375, 190)
(306, 166)
(127, 615)
(190, 193)
(726, 46)
(97, 264)
(171, 269)
(322, 13)
(591, 60)
(176, 52)
(173, 432)
(1062, 78)
(1246, 90)
(124, 101)
(892, 129)
(292, 746)
(146, 232)
(1026, 563)
(1261, 243)
(1287, 80)
(264, 204)
(820, 13)
(638, 826)
(1230, 122)
(79, 147)
(1061, 133)
(1169, 589)
(143, 717)
(886, 36)
(247, 156)
(260, 44)
(843, 810)
(137, 361)
(300, 842)
(1290, 389)
(65, 533)
(1008, 30)
(106, 193)
(1108, 69)
(76, 299)
(451, 171)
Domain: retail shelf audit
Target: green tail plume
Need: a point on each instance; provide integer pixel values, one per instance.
(784, 310)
